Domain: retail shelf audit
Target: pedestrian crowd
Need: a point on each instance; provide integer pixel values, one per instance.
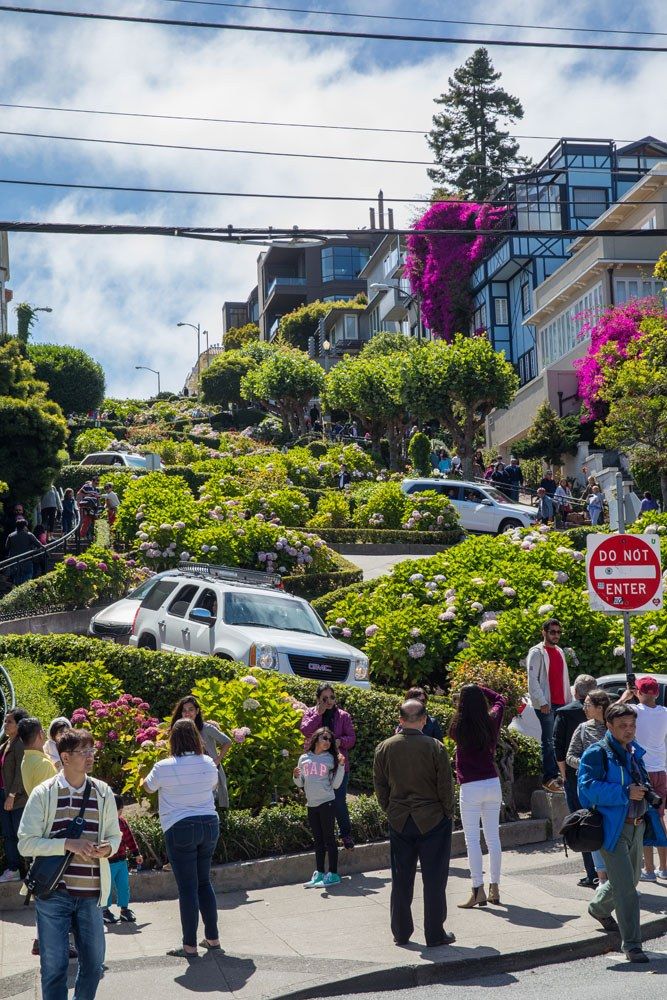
(66, 837)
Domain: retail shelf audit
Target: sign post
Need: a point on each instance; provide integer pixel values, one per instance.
(624, 574)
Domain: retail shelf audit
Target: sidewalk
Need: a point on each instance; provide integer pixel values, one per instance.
(289, 940)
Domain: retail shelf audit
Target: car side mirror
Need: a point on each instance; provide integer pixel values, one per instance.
(335, 631)
(203, 616)
(486, 502)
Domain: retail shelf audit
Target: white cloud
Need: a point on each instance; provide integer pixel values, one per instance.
(120, 297)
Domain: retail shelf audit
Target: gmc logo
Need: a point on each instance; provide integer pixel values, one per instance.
(323, 668)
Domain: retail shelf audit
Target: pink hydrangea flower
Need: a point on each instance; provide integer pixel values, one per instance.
(371, 630)
(249, 679)
(241, 734)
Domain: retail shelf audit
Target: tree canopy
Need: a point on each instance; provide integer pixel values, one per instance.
(387, 343)
(32, 428)
(550, 436)
(75, 380)
(221, 382)
(284, 383)
(472, 153)
(239, 336)
(296, 327)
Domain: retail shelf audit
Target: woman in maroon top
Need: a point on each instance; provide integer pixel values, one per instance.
(475, 729)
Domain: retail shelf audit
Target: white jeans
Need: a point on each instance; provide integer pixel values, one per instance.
(481, 800)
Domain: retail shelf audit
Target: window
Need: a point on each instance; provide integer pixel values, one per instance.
(525, 298)
(271, 612)
(158, 595)
(649, 222)
(343, 263)
(588, 202)
(501, 311)
(479, 318)
(562, 333)
(208, 600)
(351, 328)
(375, 321)
(635, 288)
(472, 496)
(181, 602)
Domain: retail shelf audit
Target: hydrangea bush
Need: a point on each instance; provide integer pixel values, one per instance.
(118, 728)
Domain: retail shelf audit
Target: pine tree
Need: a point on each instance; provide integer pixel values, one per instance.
(472, 153)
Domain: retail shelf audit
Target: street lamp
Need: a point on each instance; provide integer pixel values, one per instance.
(143, 368)
(407, 297)
(326, 347)
(198, 329)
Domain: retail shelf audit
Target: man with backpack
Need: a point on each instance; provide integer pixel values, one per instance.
(613, 780)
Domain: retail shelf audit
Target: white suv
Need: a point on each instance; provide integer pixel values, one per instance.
(480, 507)
(241, 615)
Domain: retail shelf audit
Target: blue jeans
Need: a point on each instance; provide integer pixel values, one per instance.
(55, 915)
(549, 765)
(573, 803)
(9, 824)
(342, 814)
(190, 844)
(120, 879)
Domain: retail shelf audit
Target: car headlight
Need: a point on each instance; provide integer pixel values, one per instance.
(361, 668)
(265, 656)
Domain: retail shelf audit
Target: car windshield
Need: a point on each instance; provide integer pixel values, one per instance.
(144, 588)
(136, 461)
(496, 495)
(271, 612)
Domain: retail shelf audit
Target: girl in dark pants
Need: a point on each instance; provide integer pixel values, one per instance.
(320, 772)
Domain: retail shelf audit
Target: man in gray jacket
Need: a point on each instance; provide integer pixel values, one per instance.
(549, 690)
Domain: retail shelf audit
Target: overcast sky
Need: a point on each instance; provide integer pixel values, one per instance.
(121, 297)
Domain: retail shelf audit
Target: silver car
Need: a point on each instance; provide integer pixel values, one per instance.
(480, 506)
(115, 621)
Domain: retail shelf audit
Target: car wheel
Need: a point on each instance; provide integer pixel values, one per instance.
(147, 642)
(509, 522)
(224, 656)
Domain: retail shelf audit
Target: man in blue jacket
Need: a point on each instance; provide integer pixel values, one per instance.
(612, 777)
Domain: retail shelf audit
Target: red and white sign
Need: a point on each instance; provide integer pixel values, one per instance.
(624, 573)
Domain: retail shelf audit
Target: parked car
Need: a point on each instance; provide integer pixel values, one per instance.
(480, 507)
(115, 458)
(115, 621)
(615, 684)
(243, 615)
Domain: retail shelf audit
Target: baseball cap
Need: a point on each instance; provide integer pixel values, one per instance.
(645, 684)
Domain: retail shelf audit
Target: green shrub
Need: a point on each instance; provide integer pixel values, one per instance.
(491, 674)
(317, 448)
(419, 453)
(153, 500)
(74, 476)
(75, 685)
(383, 506)
(649, 520)
(527, 754)
(323, 604)
(119, 728)
(333, 511)
(381, 536)
(31, 694)
(95, 439)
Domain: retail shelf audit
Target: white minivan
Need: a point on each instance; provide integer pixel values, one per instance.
(480, 507)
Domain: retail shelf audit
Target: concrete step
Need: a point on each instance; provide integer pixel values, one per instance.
(550, 806)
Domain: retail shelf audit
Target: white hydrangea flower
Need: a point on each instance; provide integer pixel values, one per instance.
(545, 609)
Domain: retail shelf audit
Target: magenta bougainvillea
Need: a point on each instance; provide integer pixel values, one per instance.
(439, 267)
(617, 326)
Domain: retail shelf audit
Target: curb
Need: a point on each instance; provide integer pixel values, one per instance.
(290, 869)
(400, 977)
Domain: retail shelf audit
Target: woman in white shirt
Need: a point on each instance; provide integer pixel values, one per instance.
(185, 783)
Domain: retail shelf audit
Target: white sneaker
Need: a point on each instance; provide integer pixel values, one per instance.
(647, 876)
(10, 876)
(662, 873)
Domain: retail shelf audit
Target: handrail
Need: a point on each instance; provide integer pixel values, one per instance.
(51, 546)
(6, 687)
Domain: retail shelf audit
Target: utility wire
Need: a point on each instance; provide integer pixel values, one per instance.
(504, 203)
(235, 234)
(327, 33)
(219, 149)
(421, 20)
(252, 121)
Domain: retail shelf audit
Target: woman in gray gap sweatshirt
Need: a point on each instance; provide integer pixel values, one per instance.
(320, 772)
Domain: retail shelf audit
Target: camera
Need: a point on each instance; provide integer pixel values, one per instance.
(652, 798)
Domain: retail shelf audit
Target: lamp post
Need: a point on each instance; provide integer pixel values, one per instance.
(408, 299)
(144, 368)
(326, 347)
(198, 329)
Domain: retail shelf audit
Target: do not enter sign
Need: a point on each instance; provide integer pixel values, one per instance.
(623, 572)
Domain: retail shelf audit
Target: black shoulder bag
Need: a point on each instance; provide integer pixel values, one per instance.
(47, 871)
(582, 830)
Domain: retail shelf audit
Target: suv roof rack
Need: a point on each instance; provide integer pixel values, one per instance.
(235, 574)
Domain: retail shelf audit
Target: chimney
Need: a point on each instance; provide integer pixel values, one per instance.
(372, 211)
(390, 218)
(381, 209)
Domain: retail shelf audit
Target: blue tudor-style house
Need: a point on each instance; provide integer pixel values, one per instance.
(574, 184)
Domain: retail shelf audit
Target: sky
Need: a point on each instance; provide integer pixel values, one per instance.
(120, 298)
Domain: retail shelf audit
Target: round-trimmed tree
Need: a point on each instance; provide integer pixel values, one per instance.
(75, 380)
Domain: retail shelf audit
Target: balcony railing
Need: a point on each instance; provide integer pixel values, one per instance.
(273, 329)
(282, 282)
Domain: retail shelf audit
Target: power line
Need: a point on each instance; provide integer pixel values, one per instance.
(233, 234)
(371, 199)
(421, 20)
(328, 33)
(251, 121)
(218, 149)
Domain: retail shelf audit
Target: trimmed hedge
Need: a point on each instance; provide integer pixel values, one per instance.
(383, 536)
(325, 603)
(74, 476)
(281, 829)
(311, 585)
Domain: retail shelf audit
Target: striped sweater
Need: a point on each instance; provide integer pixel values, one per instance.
(81, 878)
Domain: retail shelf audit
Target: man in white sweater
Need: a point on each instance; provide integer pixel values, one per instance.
(549, 690)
